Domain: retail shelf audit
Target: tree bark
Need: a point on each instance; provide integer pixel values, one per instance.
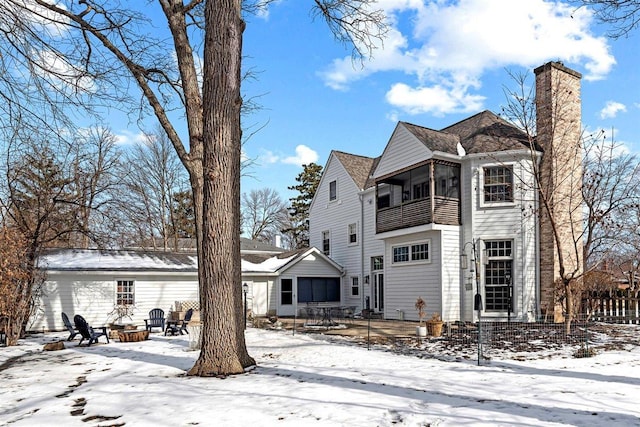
(223, 346)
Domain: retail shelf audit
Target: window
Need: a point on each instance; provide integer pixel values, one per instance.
(286, 291)
(125, 292)
(420, 191)
(353, 233)
(377, 263)
(318, 289)
(498, 273)
(333, 190)
(414, 252)
(420, 252)
(326, 243)
(498, 184)
(401, 254)
(355, 286)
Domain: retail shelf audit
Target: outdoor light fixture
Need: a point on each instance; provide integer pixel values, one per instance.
(245, 289)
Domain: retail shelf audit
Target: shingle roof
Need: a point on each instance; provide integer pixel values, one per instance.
(434, 140)
(486, 132)
(358, 167)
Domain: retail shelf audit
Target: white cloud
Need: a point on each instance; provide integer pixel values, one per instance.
(611, 110)
(126, 137)
(304, 156)
(451, 44)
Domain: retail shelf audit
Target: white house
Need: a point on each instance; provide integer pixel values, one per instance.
(92, 282)
(448, 215)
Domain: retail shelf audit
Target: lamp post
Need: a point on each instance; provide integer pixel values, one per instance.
(475, 268)
(477, 301)
(245, 289)
(507, 278)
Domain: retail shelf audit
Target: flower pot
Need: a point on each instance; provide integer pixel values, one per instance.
(421, 331)
(435, 328)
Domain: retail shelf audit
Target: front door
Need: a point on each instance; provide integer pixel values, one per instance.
(378, 291)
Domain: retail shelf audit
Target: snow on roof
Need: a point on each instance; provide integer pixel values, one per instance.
(131, 260)
(270, 265)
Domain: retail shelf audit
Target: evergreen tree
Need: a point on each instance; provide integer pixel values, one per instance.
(298, 230)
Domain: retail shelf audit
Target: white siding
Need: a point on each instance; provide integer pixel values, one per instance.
(404, 283)
(93, 296)
(335, 217)
(516, 222)
(403, 150)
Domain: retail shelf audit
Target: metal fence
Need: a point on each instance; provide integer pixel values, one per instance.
(494, 337)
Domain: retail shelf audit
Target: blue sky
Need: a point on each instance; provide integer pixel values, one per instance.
(441, 62)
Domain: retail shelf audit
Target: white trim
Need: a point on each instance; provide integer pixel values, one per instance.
(409, 246)
(483, 204)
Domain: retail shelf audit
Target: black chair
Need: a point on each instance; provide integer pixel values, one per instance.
(155, 320)
(180, 325)
(72, 330)
(88, 332)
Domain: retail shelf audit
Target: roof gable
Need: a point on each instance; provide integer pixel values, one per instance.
(403, 149)
(358, 167)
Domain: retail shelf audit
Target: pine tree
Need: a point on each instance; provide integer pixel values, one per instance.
(308, 181)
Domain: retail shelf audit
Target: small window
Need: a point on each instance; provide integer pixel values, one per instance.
(125, 293)
(420, 252)
(353, 233)
(377, 263)
(400, 254)
(498, 184)
(355, 286)
(286, 291)
(333, 190)
(326, 243)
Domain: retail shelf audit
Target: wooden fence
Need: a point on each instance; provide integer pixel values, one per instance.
(613, 307)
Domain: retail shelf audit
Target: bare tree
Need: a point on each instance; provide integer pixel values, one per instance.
(154, 176)
(583, 187)
(622, 15)
(99, 48)
(264, 213)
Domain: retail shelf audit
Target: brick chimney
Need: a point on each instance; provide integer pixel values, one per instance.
(558, 122)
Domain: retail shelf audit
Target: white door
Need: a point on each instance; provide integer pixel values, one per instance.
(260, 298)
(286, 297)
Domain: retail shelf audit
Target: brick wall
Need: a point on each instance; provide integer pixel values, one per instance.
(559, 128)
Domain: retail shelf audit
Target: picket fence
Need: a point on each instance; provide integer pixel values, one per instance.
(613, 307)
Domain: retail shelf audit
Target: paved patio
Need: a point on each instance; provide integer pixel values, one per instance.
(354, 327)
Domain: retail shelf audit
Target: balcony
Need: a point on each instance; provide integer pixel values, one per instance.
(419, 212)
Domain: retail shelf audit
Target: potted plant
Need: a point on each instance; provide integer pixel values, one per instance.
(434, 325)
(421, 329)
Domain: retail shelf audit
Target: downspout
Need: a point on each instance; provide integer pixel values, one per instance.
(361, 196)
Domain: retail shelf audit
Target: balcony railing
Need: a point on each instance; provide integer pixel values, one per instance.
(418, 212)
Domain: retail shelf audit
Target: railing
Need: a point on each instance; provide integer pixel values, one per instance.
(418, 212)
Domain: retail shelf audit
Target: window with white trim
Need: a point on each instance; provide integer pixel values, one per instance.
(353, 234)
(498, 274)
(498, 184)
(414, 252)
(326, 243)
(333, 190)
(125, 292)
(355, 286)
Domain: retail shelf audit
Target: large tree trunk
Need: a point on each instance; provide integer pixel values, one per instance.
(223, 346)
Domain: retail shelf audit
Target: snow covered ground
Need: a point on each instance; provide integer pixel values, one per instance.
(312, 380)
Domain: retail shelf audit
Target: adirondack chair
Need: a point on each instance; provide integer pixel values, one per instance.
(72, 330)
(88, 332)
(155, 320)
(179, 326)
